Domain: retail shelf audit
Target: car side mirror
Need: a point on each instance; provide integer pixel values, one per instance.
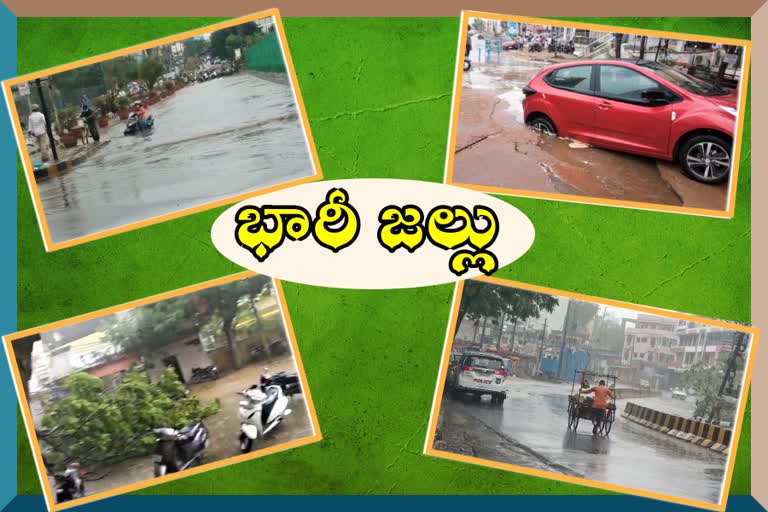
(656, 97)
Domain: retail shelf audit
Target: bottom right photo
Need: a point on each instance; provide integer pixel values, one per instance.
(592, 391)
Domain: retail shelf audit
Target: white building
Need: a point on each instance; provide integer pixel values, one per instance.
(650, 341)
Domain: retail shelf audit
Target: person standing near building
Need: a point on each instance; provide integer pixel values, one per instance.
(37, 128)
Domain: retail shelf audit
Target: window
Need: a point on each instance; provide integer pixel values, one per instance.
(573, 78)
(487, 363)
(624, 84)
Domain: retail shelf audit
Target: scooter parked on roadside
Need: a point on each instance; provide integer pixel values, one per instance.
(263, 409)
(204, 374)
(69, 483)
(177, 450)
(288, 382)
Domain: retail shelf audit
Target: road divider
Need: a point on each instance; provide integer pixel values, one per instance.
(696, 432)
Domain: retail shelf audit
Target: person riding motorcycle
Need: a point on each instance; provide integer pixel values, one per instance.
(141, 115)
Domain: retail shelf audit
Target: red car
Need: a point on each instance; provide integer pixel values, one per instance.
(639, 107)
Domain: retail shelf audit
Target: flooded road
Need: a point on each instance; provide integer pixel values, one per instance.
(211, 140)
(494, 148)
(223, 427)
(531, 430)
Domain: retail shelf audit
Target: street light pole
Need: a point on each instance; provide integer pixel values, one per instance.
(739, 347)
(562, 345)
(44, 108)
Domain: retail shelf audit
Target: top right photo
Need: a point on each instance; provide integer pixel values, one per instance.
(596, 114)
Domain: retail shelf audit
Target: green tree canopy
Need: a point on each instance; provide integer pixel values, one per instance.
(93, 427)
(481, 299)
(151, 69)
(154, 325)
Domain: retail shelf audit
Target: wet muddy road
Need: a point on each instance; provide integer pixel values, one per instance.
(211, 141)
(494, 148)
(530, 430)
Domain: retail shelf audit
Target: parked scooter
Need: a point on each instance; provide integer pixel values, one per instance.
(177, 450)
(132, 127)
(262, 410)
(70, 484)
(288, 382)
(204, 374)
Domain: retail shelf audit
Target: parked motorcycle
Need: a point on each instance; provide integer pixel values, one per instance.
(177, 450)
(288, 382)
(132, 127)
(69, 483)
(535, 46)
(263, 409)
(204, 374)
(467, 64)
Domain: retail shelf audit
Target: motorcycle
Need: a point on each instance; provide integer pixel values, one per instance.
(535, 46)
(177, 450)
(467, 64)
(288, 382)
(70, 484)
(204, 374)
(263, 409)
(132, 127)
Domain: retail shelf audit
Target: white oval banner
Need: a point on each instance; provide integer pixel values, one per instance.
(373, 233)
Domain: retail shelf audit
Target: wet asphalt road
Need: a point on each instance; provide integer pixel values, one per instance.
(531, 430)
(223, 427)
(494, 148)
(212, 140)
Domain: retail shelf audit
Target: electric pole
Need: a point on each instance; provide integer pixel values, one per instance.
(562, 345)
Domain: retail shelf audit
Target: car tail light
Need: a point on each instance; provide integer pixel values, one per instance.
(467, 369)
(528, 91)
(503, 373)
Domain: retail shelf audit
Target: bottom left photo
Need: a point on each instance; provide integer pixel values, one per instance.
(161, 388)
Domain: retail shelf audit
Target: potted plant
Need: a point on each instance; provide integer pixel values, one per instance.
(122, 103)
(102, 104)
(69, 132)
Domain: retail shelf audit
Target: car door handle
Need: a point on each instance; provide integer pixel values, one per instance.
(604, 106)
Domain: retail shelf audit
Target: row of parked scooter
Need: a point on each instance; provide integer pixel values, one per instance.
(263, 408)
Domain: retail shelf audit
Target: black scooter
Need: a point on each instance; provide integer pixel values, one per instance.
(177, 450)
(204, 374)
(288, 382)
(69, 483)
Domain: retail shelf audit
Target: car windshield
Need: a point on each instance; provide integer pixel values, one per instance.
(683, 80)
(487, 363)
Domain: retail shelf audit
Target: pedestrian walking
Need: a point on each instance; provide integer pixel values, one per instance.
(38, 129)
(469, 42)
(89, 116)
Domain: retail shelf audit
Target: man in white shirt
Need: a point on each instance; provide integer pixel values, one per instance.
(37, 128)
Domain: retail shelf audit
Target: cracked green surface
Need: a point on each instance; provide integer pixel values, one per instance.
(378, 95)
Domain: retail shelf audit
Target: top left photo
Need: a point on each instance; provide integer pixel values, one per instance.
(161, 130)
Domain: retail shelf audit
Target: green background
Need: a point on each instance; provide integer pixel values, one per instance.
(378, 95)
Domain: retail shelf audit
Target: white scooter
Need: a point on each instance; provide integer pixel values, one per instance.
(262, 410)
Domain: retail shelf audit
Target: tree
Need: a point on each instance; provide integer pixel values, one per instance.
(152, 326)
(219, 42)
(93, 427)
(223, 301)
(124, 70)
(151, 69)
(233, 42)
(482, 299)
(705, 381)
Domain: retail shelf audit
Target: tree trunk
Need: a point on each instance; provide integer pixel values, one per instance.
(477, 328)
(512, 342)
(501, 331)
(232, 342)
(482, 332)
(260, 327)
(619, 37)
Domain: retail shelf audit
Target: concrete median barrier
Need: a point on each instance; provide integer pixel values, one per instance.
(696, 432)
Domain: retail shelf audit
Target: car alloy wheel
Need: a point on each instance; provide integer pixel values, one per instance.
(708, 160)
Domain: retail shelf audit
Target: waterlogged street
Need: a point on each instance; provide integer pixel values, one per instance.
(494, 148)
(530, 430)
(212, 140)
